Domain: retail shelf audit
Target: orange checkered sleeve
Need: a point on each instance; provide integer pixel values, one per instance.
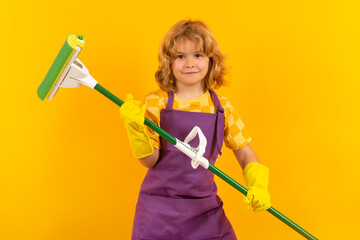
(235, 133)
(154, 102)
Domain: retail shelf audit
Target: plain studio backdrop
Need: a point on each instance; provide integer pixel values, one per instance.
(66, 168)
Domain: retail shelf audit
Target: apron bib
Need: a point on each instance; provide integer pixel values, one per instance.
(175, 200)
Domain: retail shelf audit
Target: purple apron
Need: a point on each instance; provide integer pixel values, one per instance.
(177, 202)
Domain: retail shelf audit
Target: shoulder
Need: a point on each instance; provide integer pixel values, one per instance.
(156, 98)
(225, 102)
(158, 93)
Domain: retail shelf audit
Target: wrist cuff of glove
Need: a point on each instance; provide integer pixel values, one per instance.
(144, 154)
(256, 174)
(255, 167)
(141, 145)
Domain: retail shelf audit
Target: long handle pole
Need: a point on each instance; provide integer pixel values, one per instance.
(212, 168)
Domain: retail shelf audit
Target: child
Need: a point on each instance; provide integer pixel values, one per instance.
(176, 201)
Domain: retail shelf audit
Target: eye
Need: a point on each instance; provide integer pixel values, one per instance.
(180, 56)
(198, 55)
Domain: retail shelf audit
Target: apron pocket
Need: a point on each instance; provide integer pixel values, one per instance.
(201, 226)
(161, 219)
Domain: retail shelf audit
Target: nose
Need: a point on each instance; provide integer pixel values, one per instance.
(190, 63)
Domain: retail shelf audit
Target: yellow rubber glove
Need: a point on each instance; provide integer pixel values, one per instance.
(133, 116)
(256, 177)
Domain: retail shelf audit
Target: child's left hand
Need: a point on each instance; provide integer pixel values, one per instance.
(256, 177)
(258, 199)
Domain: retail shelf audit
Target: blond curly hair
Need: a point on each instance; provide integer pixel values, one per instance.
(196, 31)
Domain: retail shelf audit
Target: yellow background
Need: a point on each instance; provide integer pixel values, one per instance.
(66, 169)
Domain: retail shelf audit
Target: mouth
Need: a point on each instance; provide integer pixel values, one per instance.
(189, 73)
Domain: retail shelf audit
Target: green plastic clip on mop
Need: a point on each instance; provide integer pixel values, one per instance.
(68, 72)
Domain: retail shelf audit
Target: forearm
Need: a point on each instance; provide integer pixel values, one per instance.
(245, 156)
(150, 160)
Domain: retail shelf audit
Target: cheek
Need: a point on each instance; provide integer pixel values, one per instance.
(176, 68)
(205, 65)
(174, 71)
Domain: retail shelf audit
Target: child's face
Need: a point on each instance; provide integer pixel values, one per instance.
(190, 65)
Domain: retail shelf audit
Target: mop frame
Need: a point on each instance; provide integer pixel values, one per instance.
(73, 74)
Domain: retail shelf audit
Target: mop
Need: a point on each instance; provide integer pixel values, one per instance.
(67, 71)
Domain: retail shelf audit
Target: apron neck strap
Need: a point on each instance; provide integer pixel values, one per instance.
(216, 101)
(170, 101)
(219, 120)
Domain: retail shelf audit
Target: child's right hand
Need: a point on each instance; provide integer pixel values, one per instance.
(133, 116)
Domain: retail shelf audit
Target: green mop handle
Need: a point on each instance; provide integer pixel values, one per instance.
(212, 168)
